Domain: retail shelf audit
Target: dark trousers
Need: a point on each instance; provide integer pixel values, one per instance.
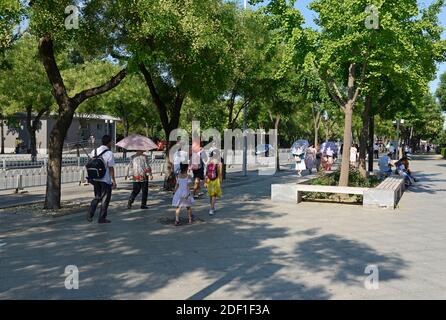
(102, 194)
(137, 187)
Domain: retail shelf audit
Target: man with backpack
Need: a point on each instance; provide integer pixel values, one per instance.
(101, 175)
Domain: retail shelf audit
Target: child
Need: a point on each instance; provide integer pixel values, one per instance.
(182, 197)
(214, 178)
(142, 172)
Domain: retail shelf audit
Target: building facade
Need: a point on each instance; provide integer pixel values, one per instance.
(80, 131)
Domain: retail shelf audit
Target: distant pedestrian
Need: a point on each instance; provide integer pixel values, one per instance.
(376, 150)
(142, 172)
(103, 186)
(329, 160)
(92, 141)
(182, 197)
(199, 160)
(299, 158)
(310, 158)
(353, 156)
(214, 177)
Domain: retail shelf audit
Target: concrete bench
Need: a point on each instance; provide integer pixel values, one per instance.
(292, 193)
(386, 194)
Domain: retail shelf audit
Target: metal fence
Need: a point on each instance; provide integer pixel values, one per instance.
(74, 171)
(25, 178)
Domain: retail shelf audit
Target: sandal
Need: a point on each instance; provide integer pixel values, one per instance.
(192, 219)
(177, 223)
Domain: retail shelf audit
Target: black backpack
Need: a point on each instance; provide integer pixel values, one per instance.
(96, 167)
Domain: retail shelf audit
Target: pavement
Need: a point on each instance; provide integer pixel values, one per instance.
(251, 249)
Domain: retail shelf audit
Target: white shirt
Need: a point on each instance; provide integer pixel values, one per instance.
(353, 153)
(109, 160)
(392, 149)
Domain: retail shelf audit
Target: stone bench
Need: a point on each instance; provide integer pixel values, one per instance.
(292, 193)
(386, 195)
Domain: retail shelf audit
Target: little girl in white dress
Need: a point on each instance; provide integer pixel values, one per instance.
(183, 197)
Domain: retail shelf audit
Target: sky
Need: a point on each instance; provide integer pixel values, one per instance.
(309, 16)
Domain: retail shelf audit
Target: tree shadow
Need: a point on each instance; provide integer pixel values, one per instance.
(344, 260)
(226, 256)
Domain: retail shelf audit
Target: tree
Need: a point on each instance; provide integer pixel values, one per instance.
(441, 91)
(353, 54)
(22, 95)
(182, 49)
(47, 22)
(11, 11)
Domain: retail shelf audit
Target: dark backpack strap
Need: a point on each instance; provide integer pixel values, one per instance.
(102, 153)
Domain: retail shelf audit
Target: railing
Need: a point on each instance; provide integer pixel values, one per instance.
(73, 171)
(26, 178)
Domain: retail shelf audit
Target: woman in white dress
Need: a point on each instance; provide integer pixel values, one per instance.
(183, 197)
(300, 161)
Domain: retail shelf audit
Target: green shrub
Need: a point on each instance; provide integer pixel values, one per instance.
(443, 152)
(355, 180)
(332, 179)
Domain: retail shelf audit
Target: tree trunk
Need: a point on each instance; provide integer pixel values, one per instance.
(67, 107)
(54, 170)
(2, 136)
(316, 125)
(364, 136)
(276, 127)
(345, 166)
(168, 124)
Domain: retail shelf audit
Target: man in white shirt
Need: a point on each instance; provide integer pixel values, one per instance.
(103, 187)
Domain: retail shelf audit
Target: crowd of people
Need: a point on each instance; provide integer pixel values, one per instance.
(206, 169)
(188, 175)
(313, 157)
(319, 158)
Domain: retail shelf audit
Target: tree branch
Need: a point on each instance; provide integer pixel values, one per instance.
(89, 93)
(46, 53)
(162, 110)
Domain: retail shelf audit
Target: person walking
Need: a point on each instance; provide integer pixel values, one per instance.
(300, 161)
(310, 158)
(353, 155)
(376, 150)
(329, 159)
(182, 197)
(199, 160)
(214, 179)
(103, 186)
(142, 172)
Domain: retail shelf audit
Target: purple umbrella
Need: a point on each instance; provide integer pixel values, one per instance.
(329, 145)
